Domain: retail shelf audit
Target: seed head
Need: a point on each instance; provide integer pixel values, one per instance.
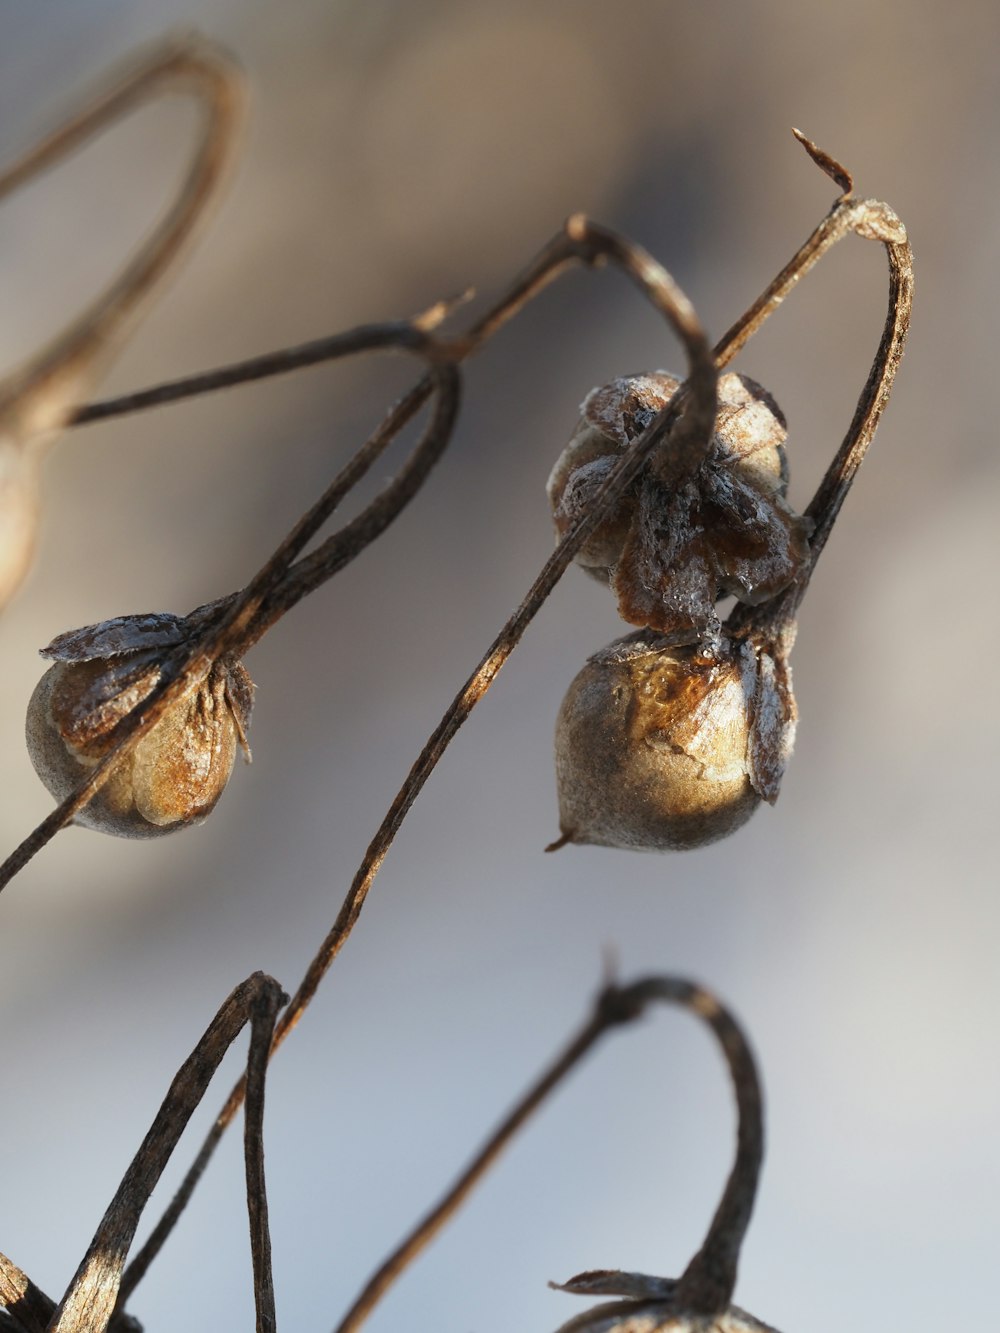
(663, 747)
(670, 549)
(175, 774)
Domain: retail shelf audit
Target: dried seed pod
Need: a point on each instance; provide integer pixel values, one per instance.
(662, 747)
(176, 773)
(671, 550)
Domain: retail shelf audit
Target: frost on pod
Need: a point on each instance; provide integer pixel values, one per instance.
(670, 551)
(664, 748)
(176, 773)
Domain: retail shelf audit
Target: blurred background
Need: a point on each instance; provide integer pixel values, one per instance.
(395, 154)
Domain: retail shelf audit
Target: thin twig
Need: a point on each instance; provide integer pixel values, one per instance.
(425, 1231)
(91, 1297)
(69, 364)
(37, 400)
(264, 1006)
(875, 221)
(27, 1303)
(708, 1281)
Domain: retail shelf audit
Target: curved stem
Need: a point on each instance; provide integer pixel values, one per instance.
(708, 1281)
(40, 396)
(424, 1232)
(875, 222)
(264, 1002)
(872, 220)
(583, 242)
(707, 1284)
(90, 1300)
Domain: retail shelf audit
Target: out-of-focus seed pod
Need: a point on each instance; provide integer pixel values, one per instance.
(666, 748)
(176, 773)
(670, 551)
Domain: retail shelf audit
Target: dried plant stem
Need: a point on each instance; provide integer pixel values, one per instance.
(29, 1310)
(878, 222)
(40, 397)
(425, 1231)
(708, 1281)
(37, 400)
(265, 1001)
(871, 220)
(27, 1304)
(91, 1297)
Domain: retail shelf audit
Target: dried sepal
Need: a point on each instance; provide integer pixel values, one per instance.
(661, 747)
(775, 715)
(671, 548)
(657, 1314)
(116, 637)
(174, 775)
(613, 1282)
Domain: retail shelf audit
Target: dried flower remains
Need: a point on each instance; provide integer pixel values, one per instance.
(176, 773)
(669, 739)
(674, 545)
(673, 493)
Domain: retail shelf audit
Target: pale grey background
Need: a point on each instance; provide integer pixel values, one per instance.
(396, 153)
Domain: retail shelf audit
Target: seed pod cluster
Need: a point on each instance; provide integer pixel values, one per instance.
(670, 738)
(175, 774)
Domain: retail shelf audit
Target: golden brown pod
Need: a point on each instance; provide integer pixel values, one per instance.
(175, 774)
(663, 748)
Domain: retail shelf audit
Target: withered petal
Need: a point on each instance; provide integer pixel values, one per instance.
(239, 697)
(115, 637)
(772, 728)
(624, 408)
(91, 702)
(759, 544)
(665, 579)
(614, 1282)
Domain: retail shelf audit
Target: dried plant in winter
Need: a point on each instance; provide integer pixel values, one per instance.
(672, 491)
